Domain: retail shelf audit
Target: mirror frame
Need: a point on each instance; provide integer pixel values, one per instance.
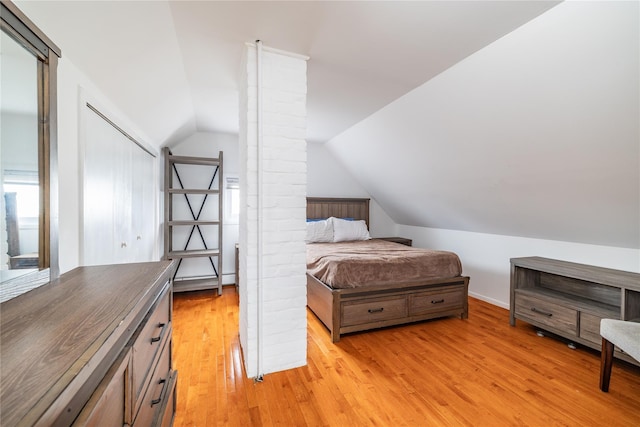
(16, 25)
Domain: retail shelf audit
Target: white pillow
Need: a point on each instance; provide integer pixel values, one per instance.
(344, 230)
(319, 231)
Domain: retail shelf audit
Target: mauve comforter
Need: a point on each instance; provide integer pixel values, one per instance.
(377, 262)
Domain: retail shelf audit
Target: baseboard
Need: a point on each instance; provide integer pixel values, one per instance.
(489, 300)
(228, 279)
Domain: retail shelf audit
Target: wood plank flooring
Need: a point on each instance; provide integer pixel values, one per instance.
(447, 372)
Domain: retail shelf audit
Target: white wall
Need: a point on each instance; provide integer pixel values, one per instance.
(327, 177)
(19, 136)
(19, 152)
(485, 257)
(529, 147)
(207, 144)
(536, 135)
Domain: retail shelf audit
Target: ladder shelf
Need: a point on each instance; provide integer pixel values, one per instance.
(191, 186)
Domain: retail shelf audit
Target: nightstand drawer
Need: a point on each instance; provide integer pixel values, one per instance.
(546, 313)
(360, 312)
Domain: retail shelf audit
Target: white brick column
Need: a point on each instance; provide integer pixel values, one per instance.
(273, 178)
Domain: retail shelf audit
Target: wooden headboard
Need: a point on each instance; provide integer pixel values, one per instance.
(324, 207)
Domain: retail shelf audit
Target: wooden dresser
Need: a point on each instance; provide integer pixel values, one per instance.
(91, 348)
(570, 299)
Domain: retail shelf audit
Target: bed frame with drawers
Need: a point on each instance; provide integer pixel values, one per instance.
(352, 310)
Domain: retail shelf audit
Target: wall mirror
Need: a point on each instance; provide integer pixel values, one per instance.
(28, 155)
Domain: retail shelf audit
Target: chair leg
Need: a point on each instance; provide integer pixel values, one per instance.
(606, 361)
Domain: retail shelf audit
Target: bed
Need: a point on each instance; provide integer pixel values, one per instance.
(351, 298)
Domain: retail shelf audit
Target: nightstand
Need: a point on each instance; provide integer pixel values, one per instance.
(401, 240)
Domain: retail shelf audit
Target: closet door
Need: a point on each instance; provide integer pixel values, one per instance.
(122, 190)
(144, 200)
(99, 237)
(119, 201)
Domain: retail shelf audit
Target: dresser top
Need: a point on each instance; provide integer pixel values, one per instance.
(54, 337)
(590, 273)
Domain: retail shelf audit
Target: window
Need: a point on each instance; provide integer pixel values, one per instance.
(232, 200)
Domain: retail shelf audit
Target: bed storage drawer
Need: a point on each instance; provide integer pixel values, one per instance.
(546, 313)
(436, 300)
(373, 310)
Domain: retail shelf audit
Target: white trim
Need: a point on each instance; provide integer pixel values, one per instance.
(260, 240)
(489, 300)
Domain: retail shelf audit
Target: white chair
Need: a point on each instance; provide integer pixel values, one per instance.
(622, 334)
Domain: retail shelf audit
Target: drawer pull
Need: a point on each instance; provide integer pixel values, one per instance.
(376, 310)
(544, 313)
(156, 339)
(159, 399)
(437, 301)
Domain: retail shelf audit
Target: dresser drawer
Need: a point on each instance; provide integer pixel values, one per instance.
(360, 312)
(546, 313)
(590, 327)
(147, 344)
(436, 300)
(108, 405)
(166, 414)
(154, 396)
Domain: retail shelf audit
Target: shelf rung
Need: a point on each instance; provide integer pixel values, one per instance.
(192, 222)
(185, 285)
(192, 191)
(192, 253)
(194, 278)
(186, 160)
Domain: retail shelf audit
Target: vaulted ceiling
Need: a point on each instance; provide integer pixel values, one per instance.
(173, 66)
(508, 117)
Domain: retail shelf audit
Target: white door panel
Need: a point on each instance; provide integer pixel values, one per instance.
(119, 196)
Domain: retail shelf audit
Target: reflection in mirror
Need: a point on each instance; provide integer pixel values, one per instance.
(19, 191)
(28, 155)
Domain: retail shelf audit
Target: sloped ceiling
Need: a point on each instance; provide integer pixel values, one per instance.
(536, 135)
(507, 117)
(172, 66)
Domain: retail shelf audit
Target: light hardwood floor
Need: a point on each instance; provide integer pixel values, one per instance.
(447, 372)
